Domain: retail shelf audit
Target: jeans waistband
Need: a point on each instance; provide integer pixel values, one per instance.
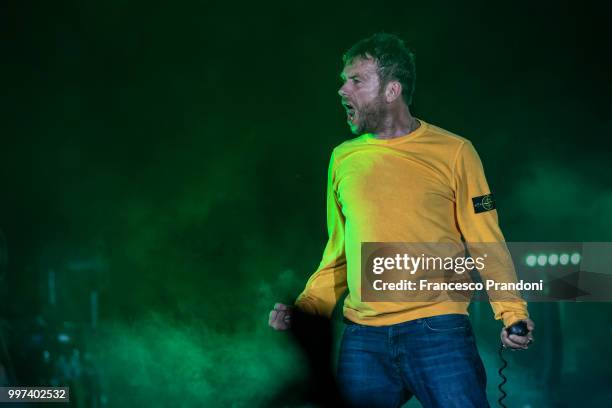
(347, 321)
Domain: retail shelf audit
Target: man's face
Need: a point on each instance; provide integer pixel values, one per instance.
(361, 96)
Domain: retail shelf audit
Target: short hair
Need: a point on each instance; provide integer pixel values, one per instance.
(394, 60)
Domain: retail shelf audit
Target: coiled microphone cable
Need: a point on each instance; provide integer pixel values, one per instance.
(519, 329)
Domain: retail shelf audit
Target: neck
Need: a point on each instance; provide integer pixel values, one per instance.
(397, 123)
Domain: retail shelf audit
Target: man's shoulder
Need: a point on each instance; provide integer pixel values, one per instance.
(349, 145)
(446, 135)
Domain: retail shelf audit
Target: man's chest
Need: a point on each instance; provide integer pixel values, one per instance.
(383, 182)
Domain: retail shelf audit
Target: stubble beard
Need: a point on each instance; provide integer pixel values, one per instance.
(371, 117)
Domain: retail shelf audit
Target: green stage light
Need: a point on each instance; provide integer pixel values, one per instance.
(575, 258)
(553, 259)
(564, 259)
(542, 260)
(531, 260)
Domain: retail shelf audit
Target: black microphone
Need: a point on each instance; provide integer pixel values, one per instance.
(518, 328)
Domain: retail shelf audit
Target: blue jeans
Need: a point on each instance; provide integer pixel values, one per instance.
(433, 358)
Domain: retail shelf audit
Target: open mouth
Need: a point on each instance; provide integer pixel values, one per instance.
(350, 111)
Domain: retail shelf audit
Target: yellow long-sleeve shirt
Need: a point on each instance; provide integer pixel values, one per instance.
(413, 188)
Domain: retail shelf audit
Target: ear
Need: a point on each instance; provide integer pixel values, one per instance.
(393, 90)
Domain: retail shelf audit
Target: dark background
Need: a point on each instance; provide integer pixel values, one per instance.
(171, 160)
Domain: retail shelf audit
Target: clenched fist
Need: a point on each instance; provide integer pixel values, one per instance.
(514, 342)
(280, 317)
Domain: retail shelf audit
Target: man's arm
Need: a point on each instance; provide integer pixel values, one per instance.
(328, 283)
(478, 222)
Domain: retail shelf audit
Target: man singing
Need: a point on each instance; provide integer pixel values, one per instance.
(401, 180)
